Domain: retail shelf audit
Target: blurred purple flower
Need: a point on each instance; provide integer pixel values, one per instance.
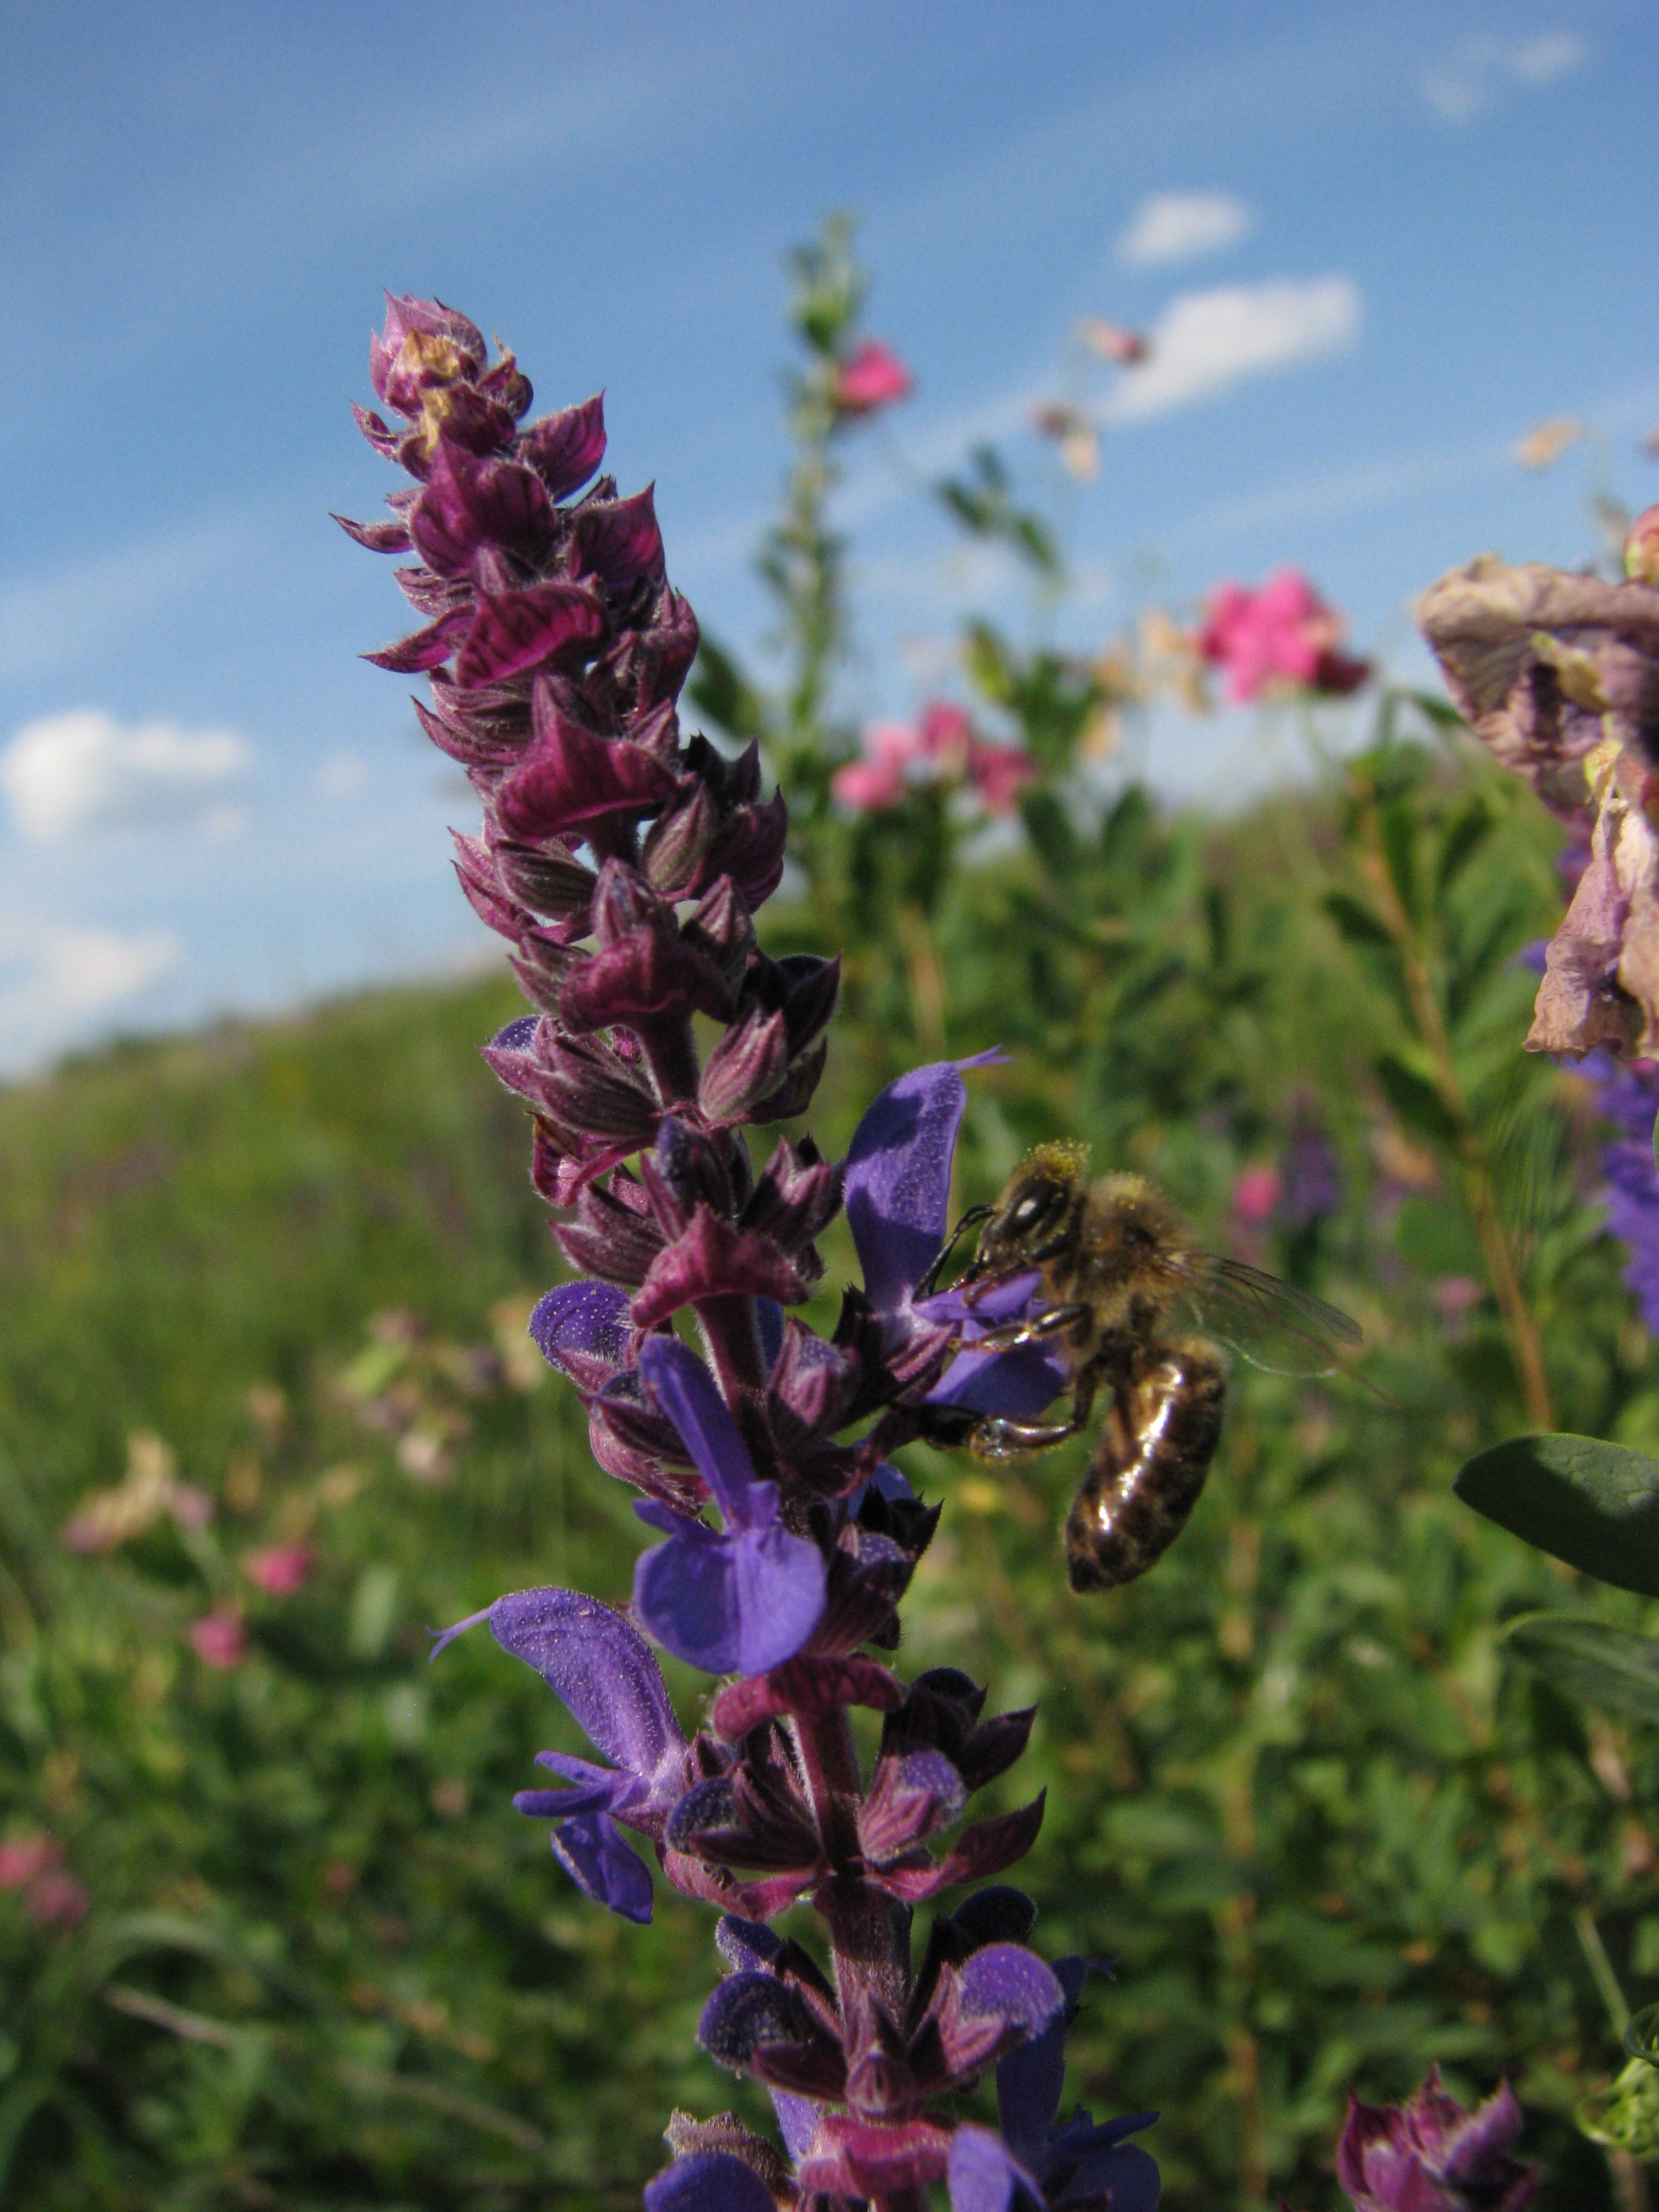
(746, 1598)
(1430, 2155)
(601, 1670)
(1627, 1095)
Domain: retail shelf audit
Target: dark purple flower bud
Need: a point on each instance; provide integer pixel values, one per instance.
(565, 449)
(986, 1847)
(729, 1822)
(494, 907)
(570, 778)
(584, 1330)
(710, 2181)
(722, 929)
(712, 1260)
(910, 1798)
(1430, 2155)
(425, 648)
(748, 1598)
(609, 1240)
(377, 537)
(619, 542)
(745, 1068)
(749, 846)
(757, 2024)
(512, 631)
(384, 439)
(547, 881)
(684, 1170)
(794, 1094)
(423, 347)
(680, 838)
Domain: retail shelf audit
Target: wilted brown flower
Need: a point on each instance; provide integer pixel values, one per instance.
(1558, 676)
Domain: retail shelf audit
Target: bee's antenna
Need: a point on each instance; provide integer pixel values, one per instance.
(929, 1282)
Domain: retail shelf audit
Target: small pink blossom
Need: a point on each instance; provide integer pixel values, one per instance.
(1283, 635)
(22, 1858)
(1457, 1295)
(872, 378)
(218, 1638)
(946, 737)
(279, 1569)
(1255, 1194)
(31, 1864)
(1112, 342)
(57, 1900)
(998, 773)
(877, 779)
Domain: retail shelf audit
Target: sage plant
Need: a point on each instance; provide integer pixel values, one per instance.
(624, 863)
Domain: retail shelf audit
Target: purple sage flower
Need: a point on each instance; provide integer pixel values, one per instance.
(601, 1670)
(744, 1600)
(1430, 2155)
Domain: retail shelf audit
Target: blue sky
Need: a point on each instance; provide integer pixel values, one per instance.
(1429, 226)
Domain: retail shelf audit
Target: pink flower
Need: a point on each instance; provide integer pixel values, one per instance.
(1255, 1194)
(1279, 635)
(876, 779)
(279, 1571)
(946, 737)
(1455, 1295)
(57, 1900)
(22, 1858)
(51, 1896)
(873, 378)
(1113, 343)
(998, 773)
(219, 1638)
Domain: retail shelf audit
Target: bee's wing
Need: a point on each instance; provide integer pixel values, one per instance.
(1282, 1330)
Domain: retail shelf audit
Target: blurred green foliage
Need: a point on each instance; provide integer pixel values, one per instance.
(1300, 1785)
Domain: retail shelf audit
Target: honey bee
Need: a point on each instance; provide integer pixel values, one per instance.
(1119, 1272)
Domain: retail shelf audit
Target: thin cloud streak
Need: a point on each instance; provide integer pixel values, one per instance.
(1182, 225)
(1205, 343)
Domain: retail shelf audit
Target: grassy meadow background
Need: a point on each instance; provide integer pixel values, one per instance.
(1327, 1830)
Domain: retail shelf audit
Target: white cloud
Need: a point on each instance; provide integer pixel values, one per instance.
(1205, 341)
(1476, 75)
(342, 775)
(84, 770)
(1179, 226)
(56, 979)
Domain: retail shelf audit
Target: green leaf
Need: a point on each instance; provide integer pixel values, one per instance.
(1606, 1667)
(1413, 1096)
(1594, 1504)
(1357, 924)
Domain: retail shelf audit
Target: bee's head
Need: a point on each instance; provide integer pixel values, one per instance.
(1131, 1226)
(1039, 1203)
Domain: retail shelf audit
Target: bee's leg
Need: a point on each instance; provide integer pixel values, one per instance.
(999, 1439)
(1055, 1320)
(929, 1282)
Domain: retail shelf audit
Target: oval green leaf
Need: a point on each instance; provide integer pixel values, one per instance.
(1594, 1504)
(1605, 1667)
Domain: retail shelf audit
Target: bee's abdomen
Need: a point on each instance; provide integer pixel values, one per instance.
(1160, 1437)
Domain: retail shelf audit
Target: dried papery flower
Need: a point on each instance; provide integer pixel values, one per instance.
(1558, 676)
